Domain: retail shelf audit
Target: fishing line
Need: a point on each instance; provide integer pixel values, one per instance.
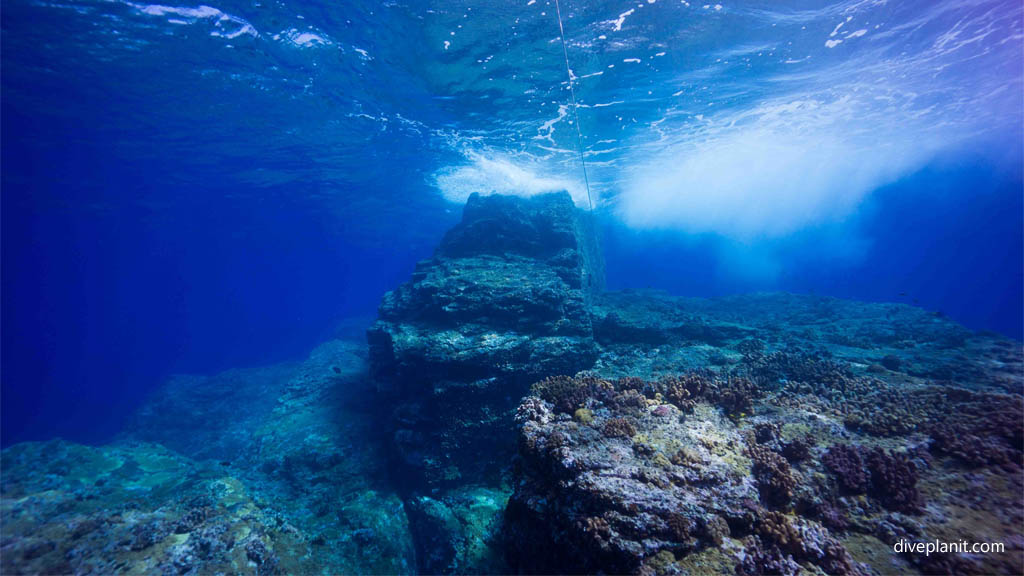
(572, 95)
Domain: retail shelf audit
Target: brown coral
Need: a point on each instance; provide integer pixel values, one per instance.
(570, 393)
(774, 477)
(618, 428)
(847, 466)
(683, 390)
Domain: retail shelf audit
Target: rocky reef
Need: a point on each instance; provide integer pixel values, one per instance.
(272, 470)
(508, 415)
(504, 302)
(134, 508)
(782, 462)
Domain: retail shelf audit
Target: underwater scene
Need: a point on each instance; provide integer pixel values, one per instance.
(644, 287)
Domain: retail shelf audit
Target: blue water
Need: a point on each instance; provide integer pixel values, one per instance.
(189, 188)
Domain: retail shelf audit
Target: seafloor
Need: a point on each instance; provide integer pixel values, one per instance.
(508, 415)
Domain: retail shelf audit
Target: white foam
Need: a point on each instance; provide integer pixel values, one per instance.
(618, 22)
(768, 173)
(307, 39)
(498, 173)
(602, 104)
(547, 129)
(224, 25)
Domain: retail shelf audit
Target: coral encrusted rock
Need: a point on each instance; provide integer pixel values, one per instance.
(503, 302)
(633, 491)
(659, 489)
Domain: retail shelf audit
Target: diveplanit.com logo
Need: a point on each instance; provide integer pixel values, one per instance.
(939, 547)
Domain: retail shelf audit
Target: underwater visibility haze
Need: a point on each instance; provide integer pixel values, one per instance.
(495, 286)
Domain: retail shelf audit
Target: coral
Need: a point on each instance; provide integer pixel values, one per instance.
(767, 432)
(597, 506)
(566, 393)
(661, 461)
(750, 347)
(983, 430)
(597, 527)
(773, 475)
(835, 559)
(972, 449)
(192, 519)
(271, 475)
(893, 480)
(683, 390)
(888, 477)
(805, 541)
(874, 408)
(776, 528)
(847, 466)
(735, 395)
(146, 534)
(569, 394)
(760, 561)
(629, 401)
(661, 562)
(263, 557)
(716, 529)
(794, 367)
(532, 409)
(686, 457)
(211, 542)
(680, 527)
(618, 428)
(830, 515)
(662, 410)
(583, 416)
(798, 449)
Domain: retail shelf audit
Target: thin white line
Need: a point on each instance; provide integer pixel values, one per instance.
(572, 94)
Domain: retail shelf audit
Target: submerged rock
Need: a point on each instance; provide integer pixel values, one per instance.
(627, 493)
(133, 509)
(304, 438)
(503, 302)
(667, 476)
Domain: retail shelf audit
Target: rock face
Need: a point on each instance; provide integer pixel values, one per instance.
(503, 303)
